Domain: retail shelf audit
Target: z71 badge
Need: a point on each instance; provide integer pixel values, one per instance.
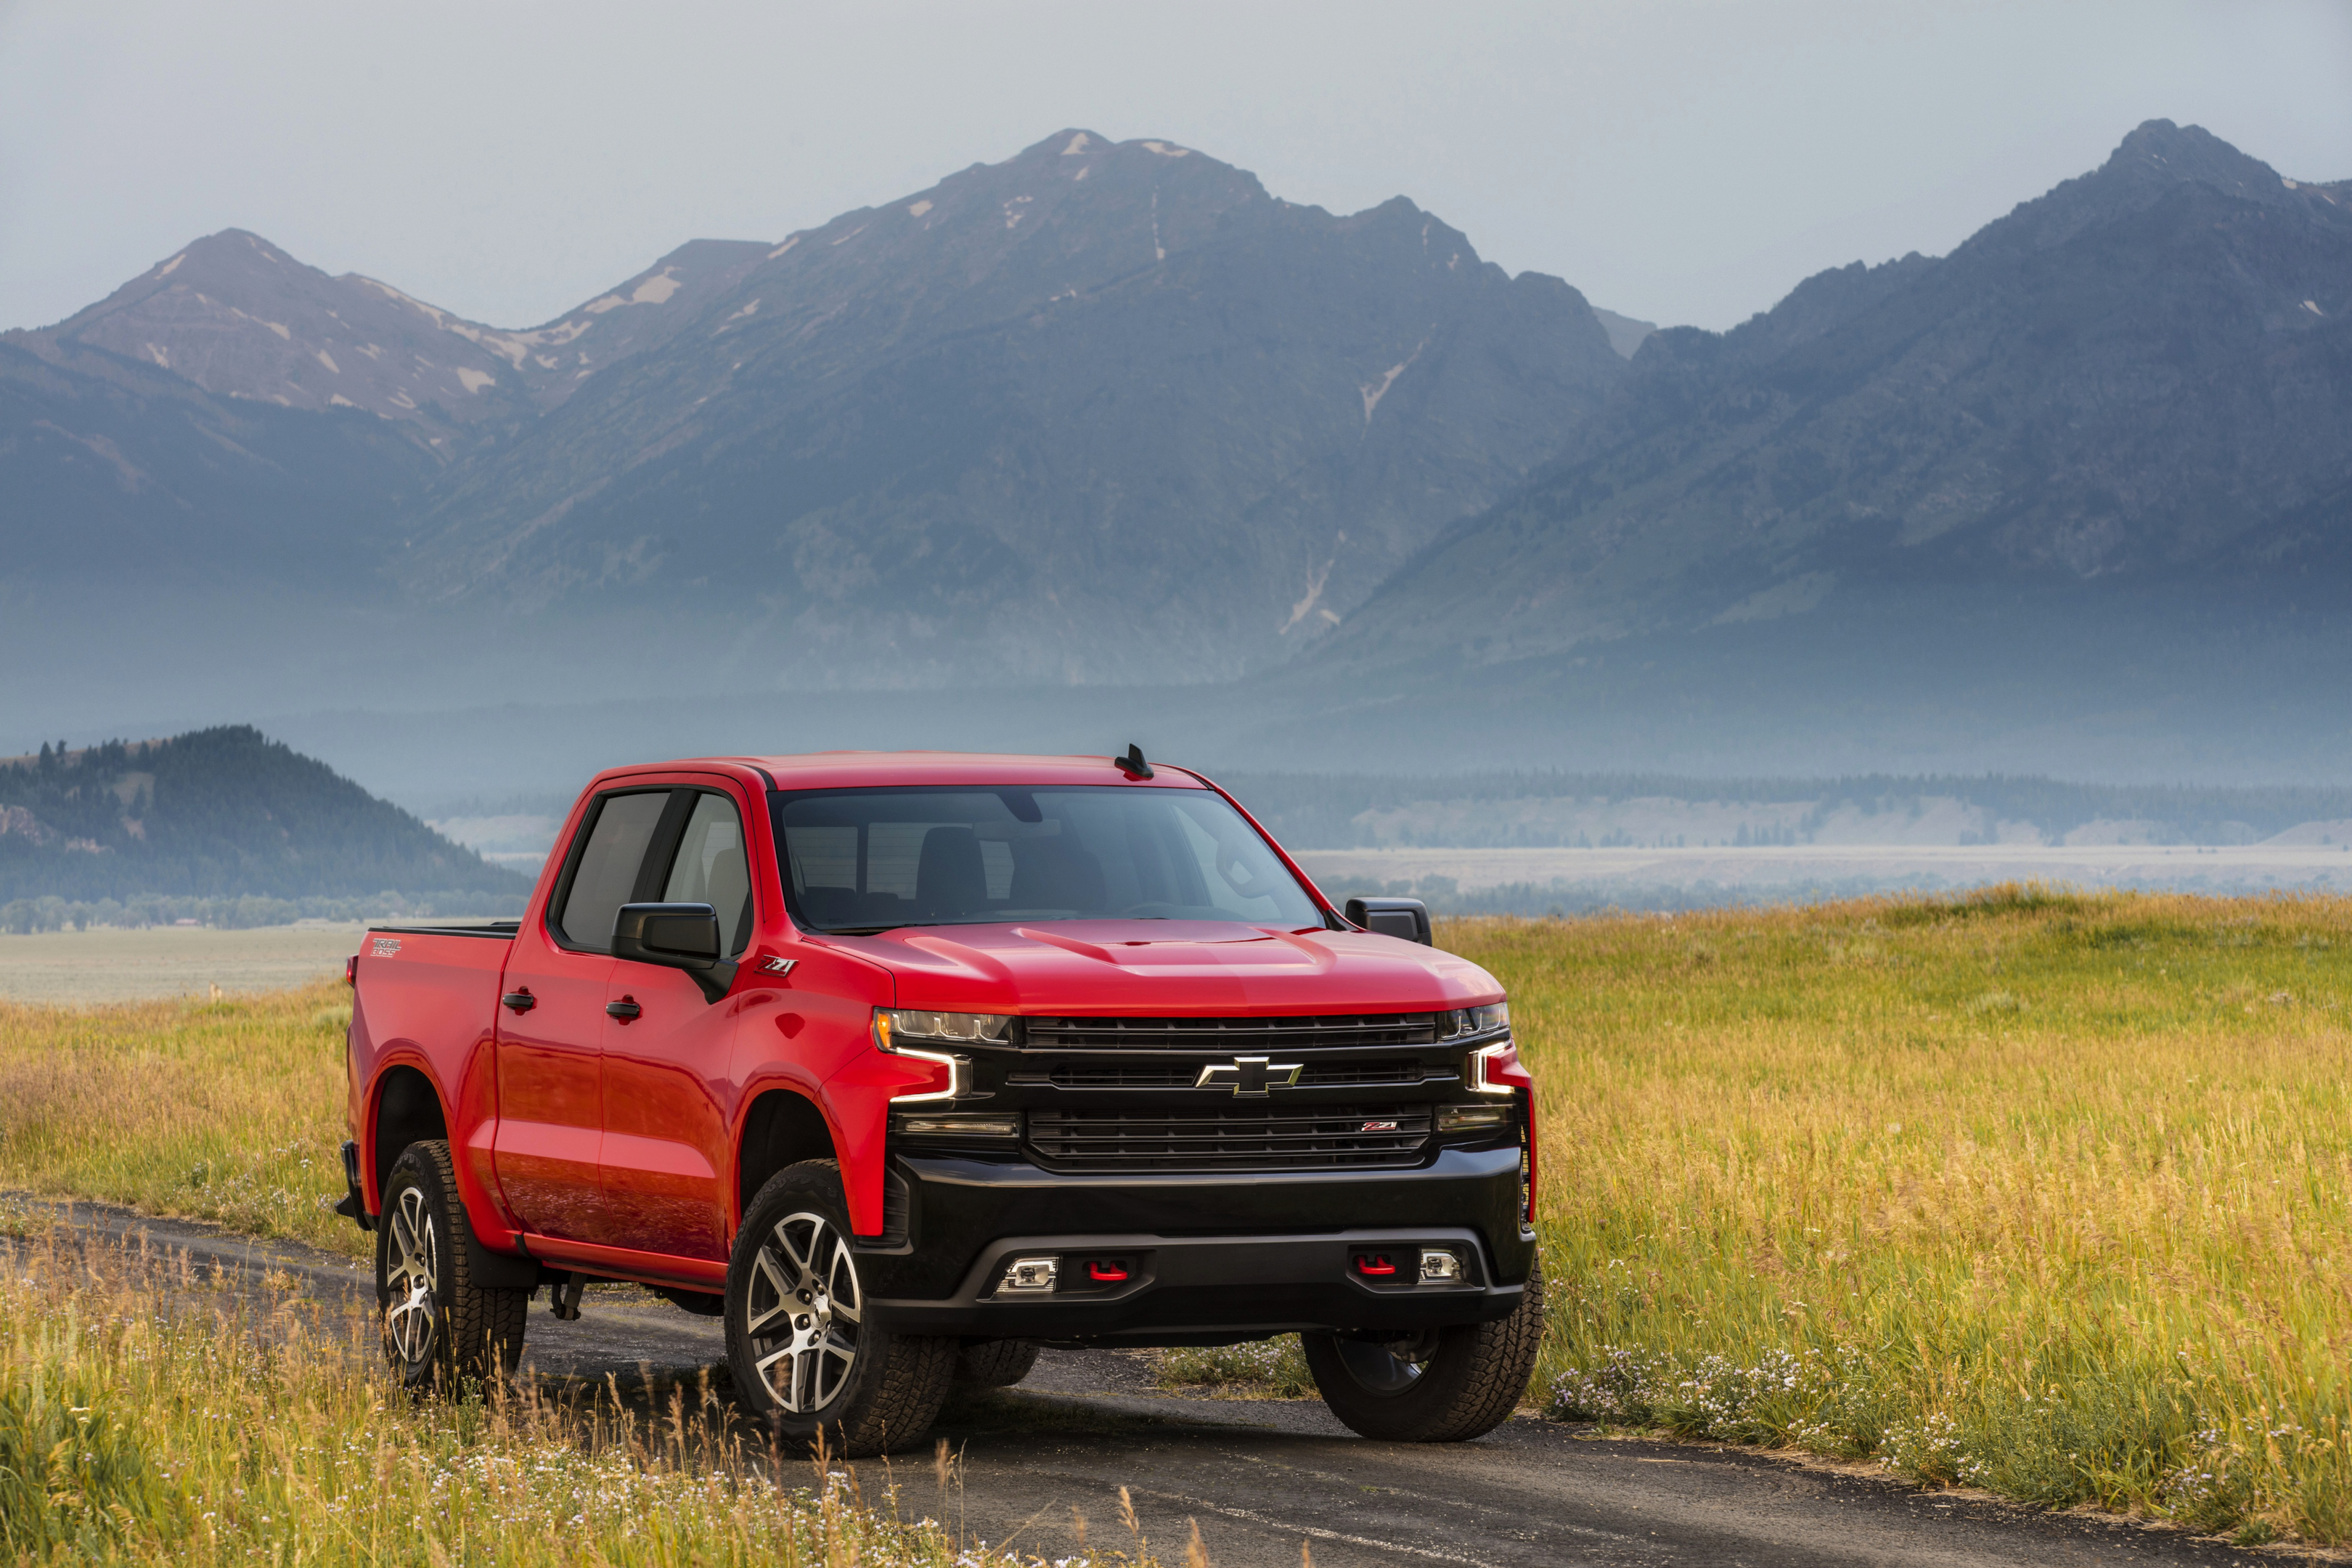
(385, 946)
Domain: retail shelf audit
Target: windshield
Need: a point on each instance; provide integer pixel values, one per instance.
(875, 860)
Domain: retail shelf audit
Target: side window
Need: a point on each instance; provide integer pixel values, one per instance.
(712, 869)
(607, 872)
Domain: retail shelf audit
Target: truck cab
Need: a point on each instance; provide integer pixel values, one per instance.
(905, 1063)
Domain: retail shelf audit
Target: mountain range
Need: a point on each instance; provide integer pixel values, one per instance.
(1111, 414)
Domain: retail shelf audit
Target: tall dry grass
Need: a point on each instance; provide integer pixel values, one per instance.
(2032, 1191)
(228, 1110)
(152, 1416)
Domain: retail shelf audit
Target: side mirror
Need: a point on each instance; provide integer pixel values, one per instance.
(1405, 918)
(675, 936)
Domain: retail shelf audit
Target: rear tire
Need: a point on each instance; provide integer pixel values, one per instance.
(1442, 1385)
(995, 1363)
(805, 1355)
(441, 1330)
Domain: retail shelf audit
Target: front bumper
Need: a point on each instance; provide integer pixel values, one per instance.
(1209, 1259)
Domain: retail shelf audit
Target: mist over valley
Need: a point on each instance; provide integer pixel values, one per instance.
(1106, 441)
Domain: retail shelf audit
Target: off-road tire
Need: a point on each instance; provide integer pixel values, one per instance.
(995, 1363)
(891, 1388)
(441, 1331)
(1467, 1386)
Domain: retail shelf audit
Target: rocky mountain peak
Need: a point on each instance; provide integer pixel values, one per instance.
(240, 317)
(2158, 153)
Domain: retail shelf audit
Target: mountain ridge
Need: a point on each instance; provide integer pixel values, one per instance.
(2011, 411)
(1112, 412)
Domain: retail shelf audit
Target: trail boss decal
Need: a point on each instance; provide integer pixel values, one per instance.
(385, 946)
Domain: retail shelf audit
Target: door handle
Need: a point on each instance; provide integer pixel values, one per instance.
(521, 1001)
(625, 1009)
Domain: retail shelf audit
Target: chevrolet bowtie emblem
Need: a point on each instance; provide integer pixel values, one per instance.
(1250, 1077)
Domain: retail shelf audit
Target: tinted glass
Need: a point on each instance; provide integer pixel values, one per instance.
(607, 872)
(710, 869)
(857, 859)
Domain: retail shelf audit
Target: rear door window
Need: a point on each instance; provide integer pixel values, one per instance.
(606, 874)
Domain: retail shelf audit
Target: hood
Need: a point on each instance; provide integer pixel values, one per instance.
(1167, 968)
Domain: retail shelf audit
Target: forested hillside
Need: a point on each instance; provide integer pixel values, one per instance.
(217, 813)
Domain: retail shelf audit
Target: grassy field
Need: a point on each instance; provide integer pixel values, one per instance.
(226, 1110)
(2033, 1191)
(116, 1396)
(2037, 1193)
(154, 961)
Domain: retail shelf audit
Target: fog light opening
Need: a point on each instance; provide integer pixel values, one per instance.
(1439, 1266)
(1031, 1276)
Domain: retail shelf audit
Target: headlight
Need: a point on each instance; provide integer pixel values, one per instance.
(894, 1023)
(1496, 1069)
(1477, 1020)
(903, 1032)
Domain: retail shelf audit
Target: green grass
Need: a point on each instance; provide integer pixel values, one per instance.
(1264, 1369)
(2042, 1193)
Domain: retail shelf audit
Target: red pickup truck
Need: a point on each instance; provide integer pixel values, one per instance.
(905, 1063)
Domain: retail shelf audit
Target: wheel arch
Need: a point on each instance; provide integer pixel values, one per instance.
(782, 1126)
(407, 1109)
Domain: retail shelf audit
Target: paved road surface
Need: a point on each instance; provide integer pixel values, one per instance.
(1262, 1478)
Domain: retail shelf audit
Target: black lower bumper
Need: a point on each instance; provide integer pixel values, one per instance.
(1205, 1259)
(1211, 1290)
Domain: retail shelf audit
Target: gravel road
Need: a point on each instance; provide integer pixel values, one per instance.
(1263, 1478)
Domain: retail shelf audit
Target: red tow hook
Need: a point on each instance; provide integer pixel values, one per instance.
(1374, 1263)
(1107, 1273)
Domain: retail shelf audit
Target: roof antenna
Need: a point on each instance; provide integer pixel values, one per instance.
(1132, 764)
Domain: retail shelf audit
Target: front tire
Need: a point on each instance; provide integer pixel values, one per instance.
(995, 1363)
(804, 1353)
(440, 1330)
(1442, 1385)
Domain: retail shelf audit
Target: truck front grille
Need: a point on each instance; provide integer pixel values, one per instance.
(1255, 1138)
(1186, 1074)
(1228, 1038)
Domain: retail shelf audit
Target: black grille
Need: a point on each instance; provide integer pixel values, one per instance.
(1231, 1036)
(1255, 1138)
(1184, 1074)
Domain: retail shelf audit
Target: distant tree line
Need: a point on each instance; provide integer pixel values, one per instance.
(21, 916)
(218, 814)
(1319, 811)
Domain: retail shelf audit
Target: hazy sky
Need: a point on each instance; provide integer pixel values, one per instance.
(1683, 162)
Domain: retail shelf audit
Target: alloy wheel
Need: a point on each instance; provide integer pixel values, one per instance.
(413, 1317)
(801, 1312)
